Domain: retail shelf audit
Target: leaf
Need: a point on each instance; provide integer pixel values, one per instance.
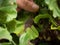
(24, 39)
(4, 34)
(37, 18)
(11, 26)
(4, 3)
(5, 43)
(55, 28)
(15, 26)
(11, 14)
(43, 16)
(58, 27)
(19, 30)
(52, 4)
(27, 36)
(3, 17)
(8, 10)
(34, 32)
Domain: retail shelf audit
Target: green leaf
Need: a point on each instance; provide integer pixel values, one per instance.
(4, 34)
(19, 30)
(34, 32)
(58, 27)
(15, 26)
(5, 43)
(8, 10)
(53, 28)
(11, 26)
(4, 3)
(27, 36)
(40, 16)
(43, 16)
(52, 4)
(24, 39)
(3, 17)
